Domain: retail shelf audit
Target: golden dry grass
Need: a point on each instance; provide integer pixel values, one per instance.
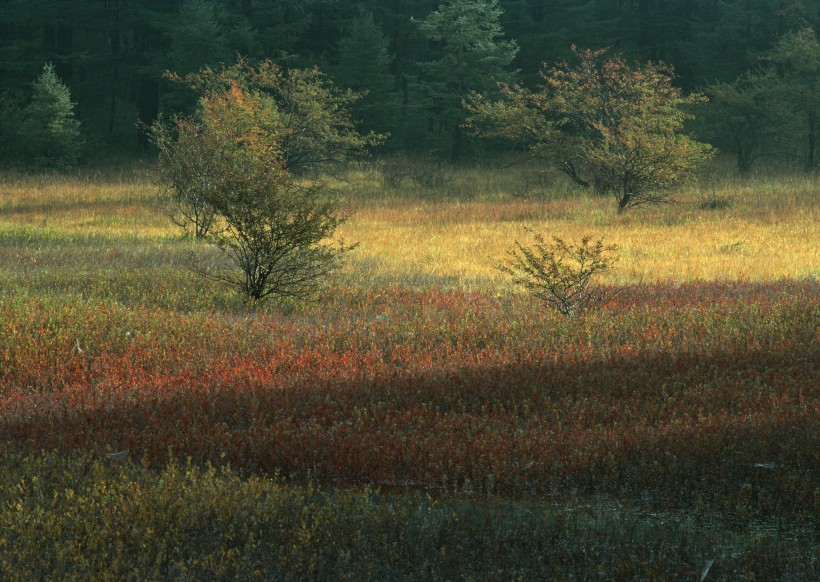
(768, 231)
(87, 203)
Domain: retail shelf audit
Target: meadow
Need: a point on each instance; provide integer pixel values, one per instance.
(423, 419)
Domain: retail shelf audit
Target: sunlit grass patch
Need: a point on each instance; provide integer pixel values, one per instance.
(465, 240)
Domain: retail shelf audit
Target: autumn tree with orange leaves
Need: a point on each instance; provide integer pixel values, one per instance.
(244, 172)
(602, 122)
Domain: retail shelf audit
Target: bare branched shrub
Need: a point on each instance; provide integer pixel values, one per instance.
(428, 172)
(394, 171)
(563, 274)
(185, 174)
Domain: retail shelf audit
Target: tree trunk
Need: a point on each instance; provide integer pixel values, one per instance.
(456, 150)
(623, 201)
(744, 158)
(811, 154)
(569, 169)
(147, 104)
(114, 38)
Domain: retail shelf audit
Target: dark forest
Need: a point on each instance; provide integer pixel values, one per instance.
(112, 55)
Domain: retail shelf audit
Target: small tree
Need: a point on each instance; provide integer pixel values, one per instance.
(562, 274)
(603, 123)
(50, 130)
(232, 161)
(311, 117)
(275, 229)
(473, 57)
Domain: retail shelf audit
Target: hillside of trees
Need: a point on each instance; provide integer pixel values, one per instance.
(758, 62)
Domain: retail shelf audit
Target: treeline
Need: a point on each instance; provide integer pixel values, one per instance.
(416, 60)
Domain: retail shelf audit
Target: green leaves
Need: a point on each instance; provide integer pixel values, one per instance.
(50, 129)
(308, 115)
(236, 172)
(562, 274)
(602, 123)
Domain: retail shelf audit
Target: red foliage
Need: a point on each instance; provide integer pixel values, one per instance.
(668, 389)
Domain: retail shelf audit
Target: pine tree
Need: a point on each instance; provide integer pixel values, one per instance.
(10, 117)
(198, 40)
(50, 128)
(796, 58)
(472, 58)
(364, 66)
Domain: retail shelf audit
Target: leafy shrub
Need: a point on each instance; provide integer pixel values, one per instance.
(562, 274)
(185, 174)
(234, 164)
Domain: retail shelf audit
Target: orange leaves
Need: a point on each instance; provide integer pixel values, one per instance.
(246, 121)
(656, 390)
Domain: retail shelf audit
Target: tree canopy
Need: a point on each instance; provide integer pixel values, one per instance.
(602, 122)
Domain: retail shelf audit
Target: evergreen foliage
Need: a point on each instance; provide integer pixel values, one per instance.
(198, 38)
(473, 57)
(364, 66)
(10, 127)
(415, 60)
(796, 58)
(50, 130)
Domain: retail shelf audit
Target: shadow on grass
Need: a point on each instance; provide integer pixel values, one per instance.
(737, 430)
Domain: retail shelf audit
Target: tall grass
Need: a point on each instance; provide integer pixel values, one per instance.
(453, 235)
(421, 419)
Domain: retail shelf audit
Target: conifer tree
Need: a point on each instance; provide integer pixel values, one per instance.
(50, 130)
(364, 66)
(198, 40)
(796, 58)
(472, 58)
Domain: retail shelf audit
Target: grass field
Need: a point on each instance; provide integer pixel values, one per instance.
(423, 419)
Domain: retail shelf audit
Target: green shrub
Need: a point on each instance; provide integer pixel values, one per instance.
(562, 274)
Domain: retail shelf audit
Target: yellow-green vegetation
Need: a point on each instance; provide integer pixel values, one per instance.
(455, 234)
(79, 518)
(423, 420)
(763, 229)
